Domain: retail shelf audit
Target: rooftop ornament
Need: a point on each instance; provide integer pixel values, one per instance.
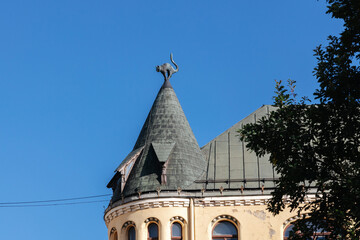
(167, 70)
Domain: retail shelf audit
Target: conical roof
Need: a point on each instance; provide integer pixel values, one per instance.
(170, 155)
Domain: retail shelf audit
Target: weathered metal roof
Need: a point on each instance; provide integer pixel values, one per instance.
(171, 156)
(231, 165)
(166, 156)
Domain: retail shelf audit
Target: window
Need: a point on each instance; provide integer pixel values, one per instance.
(113, 234)
(153, 231)
(176, 231)
(319, 234)
(225, 230)
(131, 233)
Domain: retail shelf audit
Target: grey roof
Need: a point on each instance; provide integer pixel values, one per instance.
(166, 155)
(231, 165)
(168, 143)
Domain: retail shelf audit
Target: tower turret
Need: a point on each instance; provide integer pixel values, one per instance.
(166, 155)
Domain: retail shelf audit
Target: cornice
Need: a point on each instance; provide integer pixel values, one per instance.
(225, 201)
(231, 201)
(145, 204)
(184, 202)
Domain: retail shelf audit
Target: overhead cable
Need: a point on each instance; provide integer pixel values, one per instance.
(51, 204)
(55, 200)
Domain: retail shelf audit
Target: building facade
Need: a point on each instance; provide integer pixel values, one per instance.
(170, 188)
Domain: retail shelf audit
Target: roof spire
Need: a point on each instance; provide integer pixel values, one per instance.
(166, 151)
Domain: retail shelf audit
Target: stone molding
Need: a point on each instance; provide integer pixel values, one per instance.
(151, 219)
(112, 230)
(231, 201)
(185, 202)
(293, 219)
(177, 218)
(128, 223)
(224, 217)
(145, 204)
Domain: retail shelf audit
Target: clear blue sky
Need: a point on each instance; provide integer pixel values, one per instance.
(77, 79)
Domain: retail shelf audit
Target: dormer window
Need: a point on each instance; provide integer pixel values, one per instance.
(126, 166)
(125, 172)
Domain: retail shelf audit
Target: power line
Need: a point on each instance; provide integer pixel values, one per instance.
(55, 200)
(51, 204)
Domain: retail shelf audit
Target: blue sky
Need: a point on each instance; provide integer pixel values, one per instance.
(77, 79)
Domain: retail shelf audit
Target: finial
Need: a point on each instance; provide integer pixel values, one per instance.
(221, 190)
(167, 70)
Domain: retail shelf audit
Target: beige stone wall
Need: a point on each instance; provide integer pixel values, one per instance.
(252, 221)
(138, 217)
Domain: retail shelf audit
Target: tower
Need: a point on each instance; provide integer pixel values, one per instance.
(169, 188)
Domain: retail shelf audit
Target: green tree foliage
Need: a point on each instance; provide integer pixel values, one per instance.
(316, 148)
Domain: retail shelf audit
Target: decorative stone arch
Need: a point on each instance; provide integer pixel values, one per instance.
(292, 219)
(152, 219)
(113, 235)
(125, 229)
(179, 219)
(128, 224)
(288, 222)
(225, 218)
(182, 222)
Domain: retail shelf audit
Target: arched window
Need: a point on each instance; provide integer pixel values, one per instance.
(176, 231)
(225, 230)
(153, 231)
(113, 234)
(318, 234)
(131, 233)
(287, 231)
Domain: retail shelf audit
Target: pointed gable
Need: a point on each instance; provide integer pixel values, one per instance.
(163, 150)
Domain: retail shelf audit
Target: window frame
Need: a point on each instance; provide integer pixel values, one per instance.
(147, 228)
(313, 237)
(128, 229)
(224, 237)
(182, 231)
(113, 234)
